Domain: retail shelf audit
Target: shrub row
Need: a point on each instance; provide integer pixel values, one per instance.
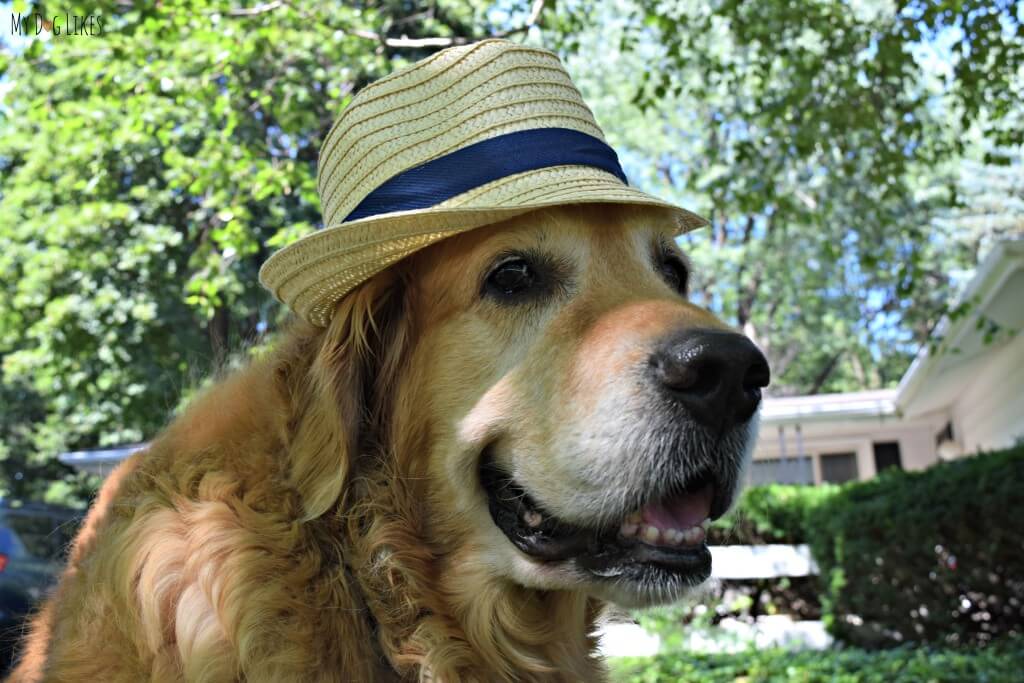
(1001, 663)
(933, 556)
(773, 513)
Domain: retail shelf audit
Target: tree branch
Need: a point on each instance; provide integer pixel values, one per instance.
(253, 11)
(404, 42)
(745, 308)
(781, 363)
(746, 304)
(819, 381)
(538, 6)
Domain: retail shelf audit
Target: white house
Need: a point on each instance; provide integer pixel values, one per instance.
(966, 396)
(977, 386)
(101, 461)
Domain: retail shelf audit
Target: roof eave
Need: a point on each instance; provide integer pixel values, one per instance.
(991, 273)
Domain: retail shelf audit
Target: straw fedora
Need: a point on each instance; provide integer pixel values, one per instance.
(470, 136)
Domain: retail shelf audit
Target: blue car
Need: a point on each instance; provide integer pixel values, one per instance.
(34, 540)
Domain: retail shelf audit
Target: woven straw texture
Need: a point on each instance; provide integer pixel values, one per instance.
(453, 99)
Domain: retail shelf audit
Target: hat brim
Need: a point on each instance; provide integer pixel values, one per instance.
(312, 274)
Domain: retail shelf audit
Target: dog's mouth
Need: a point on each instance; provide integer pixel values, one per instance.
(665, 536)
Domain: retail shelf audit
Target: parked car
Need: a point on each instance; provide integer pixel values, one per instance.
(34, 539)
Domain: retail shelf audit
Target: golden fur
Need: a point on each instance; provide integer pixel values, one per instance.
(317, 516)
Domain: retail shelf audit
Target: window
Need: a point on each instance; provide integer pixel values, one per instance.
(887, 454)
(838, 467)
(945, 434)
(797, 470)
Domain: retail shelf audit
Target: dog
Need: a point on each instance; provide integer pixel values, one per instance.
(446, 483)
(444, 472)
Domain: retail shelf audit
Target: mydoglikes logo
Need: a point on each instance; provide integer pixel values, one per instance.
(57, 25)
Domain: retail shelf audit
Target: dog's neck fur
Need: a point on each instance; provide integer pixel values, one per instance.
(440, 614)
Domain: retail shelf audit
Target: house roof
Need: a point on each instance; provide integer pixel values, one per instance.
(829, 407)
(936, 377)
(931, 383)
(99, 461)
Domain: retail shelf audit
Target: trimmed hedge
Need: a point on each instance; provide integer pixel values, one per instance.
(933, 556)
(1001, 663)
(773, 513)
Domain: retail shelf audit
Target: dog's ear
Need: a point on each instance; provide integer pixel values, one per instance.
(337, 389)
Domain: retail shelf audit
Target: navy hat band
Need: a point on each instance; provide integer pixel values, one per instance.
(483, 162)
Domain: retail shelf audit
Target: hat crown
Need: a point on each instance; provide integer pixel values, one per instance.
(453, 99)
(468, 137)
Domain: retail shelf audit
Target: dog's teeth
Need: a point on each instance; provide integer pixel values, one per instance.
(706, 523)
(674, 536)
(532, 518)
(693, 535)
(628, 530)
(651, 533)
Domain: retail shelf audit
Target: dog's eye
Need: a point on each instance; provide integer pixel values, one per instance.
(512, 278)
(675, 273)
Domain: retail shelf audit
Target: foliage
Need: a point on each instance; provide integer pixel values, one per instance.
(698, 612)
(990, 202)
(999, 663)
(932, 556)
(822, 141)
(772, 513)
(145, 174)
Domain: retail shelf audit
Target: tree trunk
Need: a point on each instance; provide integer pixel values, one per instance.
(819, 381)
(218, 329)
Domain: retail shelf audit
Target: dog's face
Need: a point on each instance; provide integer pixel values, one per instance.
(583, 421)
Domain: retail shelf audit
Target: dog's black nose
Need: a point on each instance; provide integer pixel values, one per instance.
(715, 375)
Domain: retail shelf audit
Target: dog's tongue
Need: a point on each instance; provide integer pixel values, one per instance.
(680, 512)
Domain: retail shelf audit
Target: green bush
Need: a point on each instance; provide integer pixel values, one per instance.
(932, 556)
(1000, 663)
(774, 513)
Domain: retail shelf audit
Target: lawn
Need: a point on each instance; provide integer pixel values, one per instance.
(1002, 662)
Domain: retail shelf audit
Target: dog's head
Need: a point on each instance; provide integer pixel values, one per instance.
(565, 417)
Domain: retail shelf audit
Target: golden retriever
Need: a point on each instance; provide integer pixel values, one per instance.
(491, 440)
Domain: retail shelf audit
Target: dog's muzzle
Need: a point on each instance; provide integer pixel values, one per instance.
(703, 387)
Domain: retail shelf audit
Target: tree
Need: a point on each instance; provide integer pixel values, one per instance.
(145, 174)
(822, 140)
